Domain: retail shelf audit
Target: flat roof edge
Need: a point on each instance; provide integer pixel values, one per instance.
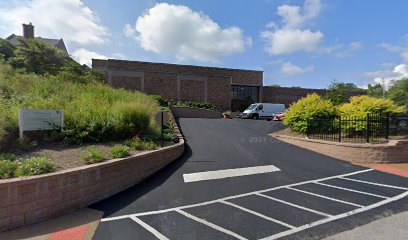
(173, 64)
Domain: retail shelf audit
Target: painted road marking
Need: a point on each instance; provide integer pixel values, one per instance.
(258, 214)
(228, 173)
(292, 230)
(336, 217)
(372, 183)
(149, 228)
(294, 205)
(321, 196)
(211, 225)
(231, 197)
(351, 190)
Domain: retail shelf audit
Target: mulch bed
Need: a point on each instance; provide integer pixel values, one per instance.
(69, 156)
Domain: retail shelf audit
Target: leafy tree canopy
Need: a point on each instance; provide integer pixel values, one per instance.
(399, 92)
(375, 90)
(337, 92)
(38, 57)
(6, 49)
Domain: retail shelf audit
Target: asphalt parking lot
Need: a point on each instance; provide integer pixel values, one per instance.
(234, 182)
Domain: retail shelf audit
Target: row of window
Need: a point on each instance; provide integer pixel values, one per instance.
(240, 92)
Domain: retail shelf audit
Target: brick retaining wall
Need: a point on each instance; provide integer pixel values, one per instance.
(186, 112)
(32, 199)
(392, 152)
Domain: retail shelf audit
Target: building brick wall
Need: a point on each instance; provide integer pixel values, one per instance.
(163, 84)
(220, 89)
(181, 82)
(191, 90)
(288, 95)
(186, 112)
(129, 83)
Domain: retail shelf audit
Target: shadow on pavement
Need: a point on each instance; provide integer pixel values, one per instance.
(126, 197)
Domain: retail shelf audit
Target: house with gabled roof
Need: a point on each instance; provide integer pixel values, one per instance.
(28, 32)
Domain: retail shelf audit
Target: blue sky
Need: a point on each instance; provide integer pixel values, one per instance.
(305, 43)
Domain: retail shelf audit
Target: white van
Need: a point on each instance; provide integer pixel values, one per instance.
(263, 110)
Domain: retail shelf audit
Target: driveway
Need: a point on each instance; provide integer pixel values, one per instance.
(286, 191)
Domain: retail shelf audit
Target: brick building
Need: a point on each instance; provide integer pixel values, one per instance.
(287, 95)
(222, 87)
(225, 88)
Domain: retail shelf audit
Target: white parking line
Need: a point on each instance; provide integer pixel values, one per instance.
(259, 214)
(372, 183)
(351, 190)
(340, 216)
(211, 225)
(230, 197)
(294, 205)
(321, 196)
(149, 228)
(228, 173)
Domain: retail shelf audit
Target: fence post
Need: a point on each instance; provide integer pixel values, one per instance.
(162, 130)
(308, 128)
(387, 126)
(340, 129)
(368, 128)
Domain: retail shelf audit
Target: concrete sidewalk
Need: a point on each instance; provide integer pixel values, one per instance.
(393, 227)
(79, 225)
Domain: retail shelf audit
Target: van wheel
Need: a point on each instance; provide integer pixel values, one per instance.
(255, 117)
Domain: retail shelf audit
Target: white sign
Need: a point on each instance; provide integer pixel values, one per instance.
(34, 120)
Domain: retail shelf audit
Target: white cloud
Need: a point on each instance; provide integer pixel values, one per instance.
(292, 16)
(291, 69)
(387, 77)
(404, 56)
(84, 56)
(71, 20)
(355, 46)
(292, 36)
(177, 30)
(401, 50)
(285, 41)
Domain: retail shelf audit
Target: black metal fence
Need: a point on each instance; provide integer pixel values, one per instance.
(371, 128)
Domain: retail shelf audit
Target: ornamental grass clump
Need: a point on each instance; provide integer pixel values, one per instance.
(92, 155)
(93, 110)
(119, 151)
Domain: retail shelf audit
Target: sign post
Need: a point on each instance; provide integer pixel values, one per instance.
(39, 120)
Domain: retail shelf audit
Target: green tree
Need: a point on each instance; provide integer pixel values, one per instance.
(274, 85)
(375, 90)
(39, 57)
(399, 92)
(6, 49)
(338, 92)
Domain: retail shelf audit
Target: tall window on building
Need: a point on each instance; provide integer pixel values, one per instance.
(243, 96)
(241, 92)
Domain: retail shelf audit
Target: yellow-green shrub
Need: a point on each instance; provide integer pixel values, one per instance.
(360, 106)
(310, 107)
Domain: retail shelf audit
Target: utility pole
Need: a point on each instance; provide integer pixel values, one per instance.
(383, 86)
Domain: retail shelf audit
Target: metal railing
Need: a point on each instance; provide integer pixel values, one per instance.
(371, 128)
